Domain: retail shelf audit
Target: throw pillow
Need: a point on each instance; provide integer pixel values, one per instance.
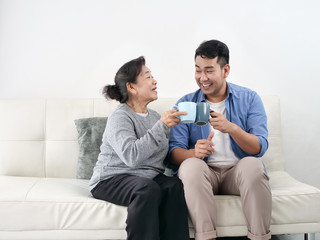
(90, 131)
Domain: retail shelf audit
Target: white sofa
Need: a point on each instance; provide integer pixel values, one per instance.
(40, 198)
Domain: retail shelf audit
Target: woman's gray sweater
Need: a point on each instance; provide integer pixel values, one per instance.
(131, 144)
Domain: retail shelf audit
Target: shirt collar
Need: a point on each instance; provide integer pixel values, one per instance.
(229, 91)
(202, 97)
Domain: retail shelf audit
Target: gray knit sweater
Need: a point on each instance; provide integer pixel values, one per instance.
(131, 144)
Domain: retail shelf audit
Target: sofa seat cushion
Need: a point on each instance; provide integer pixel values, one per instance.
(54, 204)
(66, 204)
(294, 204)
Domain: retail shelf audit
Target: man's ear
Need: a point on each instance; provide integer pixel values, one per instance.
(226, 70)
(131, 88)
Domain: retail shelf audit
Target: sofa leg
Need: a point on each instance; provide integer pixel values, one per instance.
(309, 236)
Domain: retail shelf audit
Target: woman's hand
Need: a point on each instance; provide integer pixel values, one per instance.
(170, 119)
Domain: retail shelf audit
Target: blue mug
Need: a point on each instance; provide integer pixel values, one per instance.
(196, 112)
(190, 108)
(203, 113)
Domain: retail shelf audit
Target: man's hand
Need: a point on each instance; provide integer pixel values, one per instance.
(204, 147)
(246, 141)
(219, 122)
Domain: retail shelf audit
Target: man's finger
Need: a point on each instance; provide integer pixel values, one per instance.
(214, 114)
(202, 141)
(211, 135)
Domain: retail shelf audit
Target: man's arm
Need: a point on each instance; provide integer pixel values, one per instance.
(203, 148)
(248, 142)
(178, 155)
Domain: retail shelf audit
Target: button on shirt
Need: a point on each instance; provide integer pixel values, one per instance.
(243, 107)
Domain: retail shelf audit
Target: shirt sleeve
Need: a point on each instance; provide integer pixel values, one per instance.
(120, 134)
(257, 123)
(179, 137)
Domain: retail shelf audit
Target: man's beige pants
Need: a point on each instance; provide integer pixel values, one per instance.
(246, 179)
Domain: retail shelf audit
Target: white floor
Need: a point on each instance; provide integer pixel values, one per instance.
(278, 237)
(294, 237)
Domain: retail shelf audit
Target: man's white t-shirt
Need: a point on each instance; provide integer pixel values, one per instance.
(223, 154)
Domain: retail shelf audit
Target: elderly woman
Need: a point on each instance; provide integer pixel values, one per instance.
(129, 170)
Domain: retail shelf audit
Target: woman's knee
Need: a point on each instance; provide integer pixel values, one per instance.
(147, 189)
(175, 186)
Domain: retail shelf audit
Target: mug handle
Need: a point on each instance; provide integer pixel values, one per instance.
(175, 107)
(211, 111)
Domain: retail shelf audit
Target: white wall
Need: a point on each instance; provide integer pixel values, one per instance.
(72, 48)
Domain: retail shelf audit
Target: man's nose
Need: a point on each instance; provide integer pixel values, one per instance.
(203, 77)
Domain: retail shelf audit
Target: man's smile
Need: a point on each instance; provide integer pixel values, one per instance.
(206, 84)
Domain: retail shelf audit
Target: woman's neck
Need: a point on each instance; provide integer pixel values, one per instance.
(137, 107)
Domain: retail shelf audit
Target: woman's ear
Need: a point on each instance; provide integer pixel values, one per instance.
(131, 88)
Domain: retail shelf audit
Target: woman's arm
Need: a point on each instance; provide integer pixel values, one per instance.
(121, 135)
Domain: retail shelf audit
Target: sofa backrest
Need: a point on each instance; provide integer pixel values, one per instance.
(38, 137)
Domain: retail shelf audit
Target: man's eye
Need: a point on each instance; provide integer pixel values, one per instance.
(209, 71)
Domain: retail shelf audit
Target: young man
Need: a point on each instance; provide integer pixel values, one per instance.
(222, 157)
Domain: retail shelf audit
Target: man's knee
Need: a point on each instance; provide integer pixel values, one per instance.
(192, 167)
(194, 172)
(251, 171)
(250, 165)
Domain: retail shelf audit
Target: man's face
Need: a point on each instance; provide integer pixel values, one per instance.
(211, 78)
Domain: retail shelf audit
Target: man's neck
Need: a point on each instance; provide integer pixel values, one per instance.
(218, 97)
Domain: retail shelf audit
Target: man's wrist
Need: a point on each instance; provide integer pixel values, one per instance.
(233, 128)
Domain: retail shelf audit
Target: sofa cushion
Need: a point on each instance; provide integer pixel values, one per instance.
(90, 132)
(52, 141)
(66, 204)
(54, 204)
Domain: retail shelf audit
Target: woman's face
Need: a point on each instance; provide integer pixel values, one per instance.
(146, 86)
